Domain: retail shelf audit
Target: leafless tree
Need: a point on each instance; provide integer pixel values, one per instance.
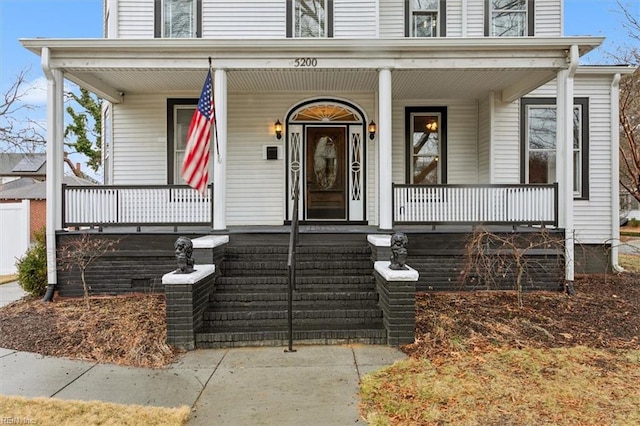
(495, 259)
(630, 106)
(19, 132)
(81, 252)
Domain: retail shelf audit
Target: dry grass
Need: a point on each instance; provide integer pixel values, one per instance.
(630, 262)
(49, 411)
(525, 387)
(4, 279)
(479, 359)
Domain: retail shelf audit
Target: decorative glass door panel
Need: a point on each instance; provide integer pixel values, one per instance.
(326, 173)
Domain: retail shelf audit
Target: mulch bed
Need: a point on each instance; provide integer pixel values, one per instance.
(127, 330)
(605, 313)
(131, 330)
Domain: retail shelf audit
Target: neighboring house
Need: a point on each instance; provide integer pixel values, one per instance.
(426, 116)
(19, 216)
(23, 202)
(17, 165)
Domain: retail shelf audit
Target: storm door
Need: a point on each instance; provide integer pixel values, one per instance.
(326, 173)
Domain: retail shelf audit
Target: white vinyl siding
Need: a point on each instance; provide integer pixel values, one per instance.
(593, 219)
(391, 18)
(506, 145)
(135, 19)
(548, 18)
(257, 19)
(454, 18)
(484, 141)
(462, 143)
(355, 19)
(139, 153)
(260, 19)
(475, 18)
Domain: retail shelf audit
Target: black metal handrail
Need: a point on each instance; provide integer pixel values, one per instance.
(291, 261)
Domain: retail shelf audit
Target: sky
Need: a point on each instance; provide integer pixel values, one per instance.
(83, 19)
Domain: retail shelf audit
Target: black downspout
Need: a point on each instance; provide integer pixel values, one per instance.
(48, 296)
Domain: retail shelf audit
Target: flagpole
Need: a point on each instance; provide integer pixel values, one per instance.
(215, 126)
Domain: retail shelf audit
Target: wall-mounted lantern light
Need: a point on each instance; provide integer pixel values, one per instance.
(277, 127)
(372, 128)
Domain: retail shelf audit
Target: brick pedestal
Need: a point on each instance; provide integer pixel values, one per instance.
(397, 291)
(380, 245)
(187, 297)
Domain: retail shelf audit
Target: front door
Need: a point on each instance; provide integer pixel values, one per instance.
(326, 173)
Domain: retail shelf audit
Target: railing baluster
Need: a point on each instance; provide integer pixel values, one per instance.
(490, 204)
(135, 205)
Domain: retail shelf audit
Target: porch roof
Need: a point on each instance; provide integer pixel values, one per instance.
(434, 68)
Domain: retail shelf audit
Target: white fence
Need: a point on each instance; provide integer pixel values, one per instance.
(471, 204)
(136, 205)
(14, 234)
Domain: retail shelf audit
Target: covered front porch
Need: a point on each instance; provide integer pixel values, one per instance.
(257, 82)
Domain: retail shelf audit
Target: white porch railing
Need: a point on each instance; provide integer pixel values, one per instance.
(472, 204)
(135, 205)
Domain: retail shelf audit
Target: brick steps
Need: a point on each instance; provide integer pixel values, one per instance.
(243, 337)
(335, 299)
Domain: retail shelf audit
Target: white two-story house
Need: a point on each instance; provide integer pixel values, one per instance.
(423, 114)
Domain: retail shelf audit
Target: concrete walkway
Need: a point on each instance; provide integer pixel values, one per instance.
(630, 246)
(10, 292)
(316, 385)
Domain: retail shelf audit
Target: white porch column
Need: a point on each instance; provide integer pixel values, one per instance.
(615, 171)
(384, 150)
(564, 160)
(220, 151)
(55, 152)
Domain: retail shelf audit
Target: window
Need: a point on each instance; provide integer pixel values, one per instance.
(426, 145)
(309, 18)
(538, 131)
(179, 114)
(425, 18)
(178, 18)
(509, 18)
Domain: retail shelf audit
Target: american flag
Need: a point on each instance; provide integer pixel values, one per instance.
(195, 167)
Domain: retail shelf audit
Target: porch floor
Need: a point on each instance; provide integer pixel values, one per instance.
(307, 229)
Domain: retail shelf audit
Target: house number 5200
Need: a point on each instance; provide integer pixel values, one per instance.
(305, 63)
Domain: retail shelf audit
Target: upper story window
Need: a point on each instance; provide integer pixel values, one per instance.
(425, 18)
(309, 18)
(178, 18)
(509, 18)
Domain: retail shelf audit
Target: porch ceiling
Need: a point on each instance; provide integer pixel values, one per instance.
(436, 68)
(407, 84)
